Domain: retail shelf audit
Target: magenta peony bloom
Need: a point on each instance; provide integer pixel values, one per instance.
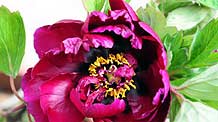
(110, 68)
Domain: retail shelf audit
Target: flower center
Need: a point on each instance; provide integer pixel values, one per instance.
(114, 75)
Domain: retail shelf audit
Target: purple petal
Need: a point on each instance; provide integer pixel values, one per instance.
(125, 71)
(55, 100)
(163, 110)
(123, 31)
(98, 19)
(120, 4)
(131, 59)
(49, 38)
(97, 110)
(52, 65)
(97, 40)
(72, 45)
(162, 51)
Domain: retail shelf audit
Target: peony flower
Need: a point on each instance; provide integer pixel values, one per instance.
(110, 68)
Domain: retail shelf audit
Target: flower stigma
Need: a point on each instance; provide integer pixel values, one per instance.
(114, 75)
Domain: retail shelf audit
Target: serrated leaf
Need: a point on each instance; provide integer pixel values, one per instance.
(168, 5)
(174, 108)
(203, 45)
(156, 19)
(209, 3)
(203, 86)
(12, 41)
(196, 112)
(183, 17)
(173, 44)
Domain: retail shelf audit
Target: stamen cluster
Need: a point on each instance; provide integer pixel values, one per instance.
(105, 70)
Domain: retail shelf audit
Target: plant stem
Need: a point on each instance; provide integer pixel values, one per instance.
(29, 117)
(179, 96)
(13, 88)
(12, 110)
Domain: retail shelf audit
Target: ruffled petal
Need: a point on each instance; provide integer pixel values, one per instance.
(123, 31)
(49, 38)
(72, 45)
(97, 40)
(55, 100)
(31, 96)
(120, 4)
(125, 71)
(97, 110)
(98, 19)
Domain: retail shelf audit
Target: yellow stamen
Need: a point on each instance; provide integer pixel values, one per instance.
(126, 86)
(133, 86)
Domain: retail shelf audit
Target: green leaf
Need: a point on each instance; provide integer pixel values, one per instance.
(156, 19)
(178, 56)
(174, 108)
(201, 52)
(106, 7)
(12, 41)
(196, 112)
(213, 104)
(168, 5)
(209, 3)
(183, 17)
(93, 5)
(203, 86)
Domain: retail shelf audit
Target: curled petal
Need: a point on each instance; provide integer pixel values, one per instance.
(97, 40)
(162, 111)
(49, 38)
(161, 51)
(55, 102)
(97, 110)
(120, 4)
(123, 31)
(132, 61)
(125, 71)
(83, 88)
(98, 19)
(72, 45)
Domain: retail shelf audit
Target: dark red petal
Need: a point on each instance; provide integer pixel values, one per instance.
(120, 4)
(160, 49)
(98, 19)
(97, 109)
(123, 31)
(31, 97)
(141, 106)
(51, 65)
(97, 40)
(103, 120)
(55, 100)
(72, 45)
(50, 37)
(125, 72)
(162, 111)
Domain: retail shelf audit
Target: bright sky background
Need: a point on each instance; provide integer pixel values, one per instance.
(37, 13)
